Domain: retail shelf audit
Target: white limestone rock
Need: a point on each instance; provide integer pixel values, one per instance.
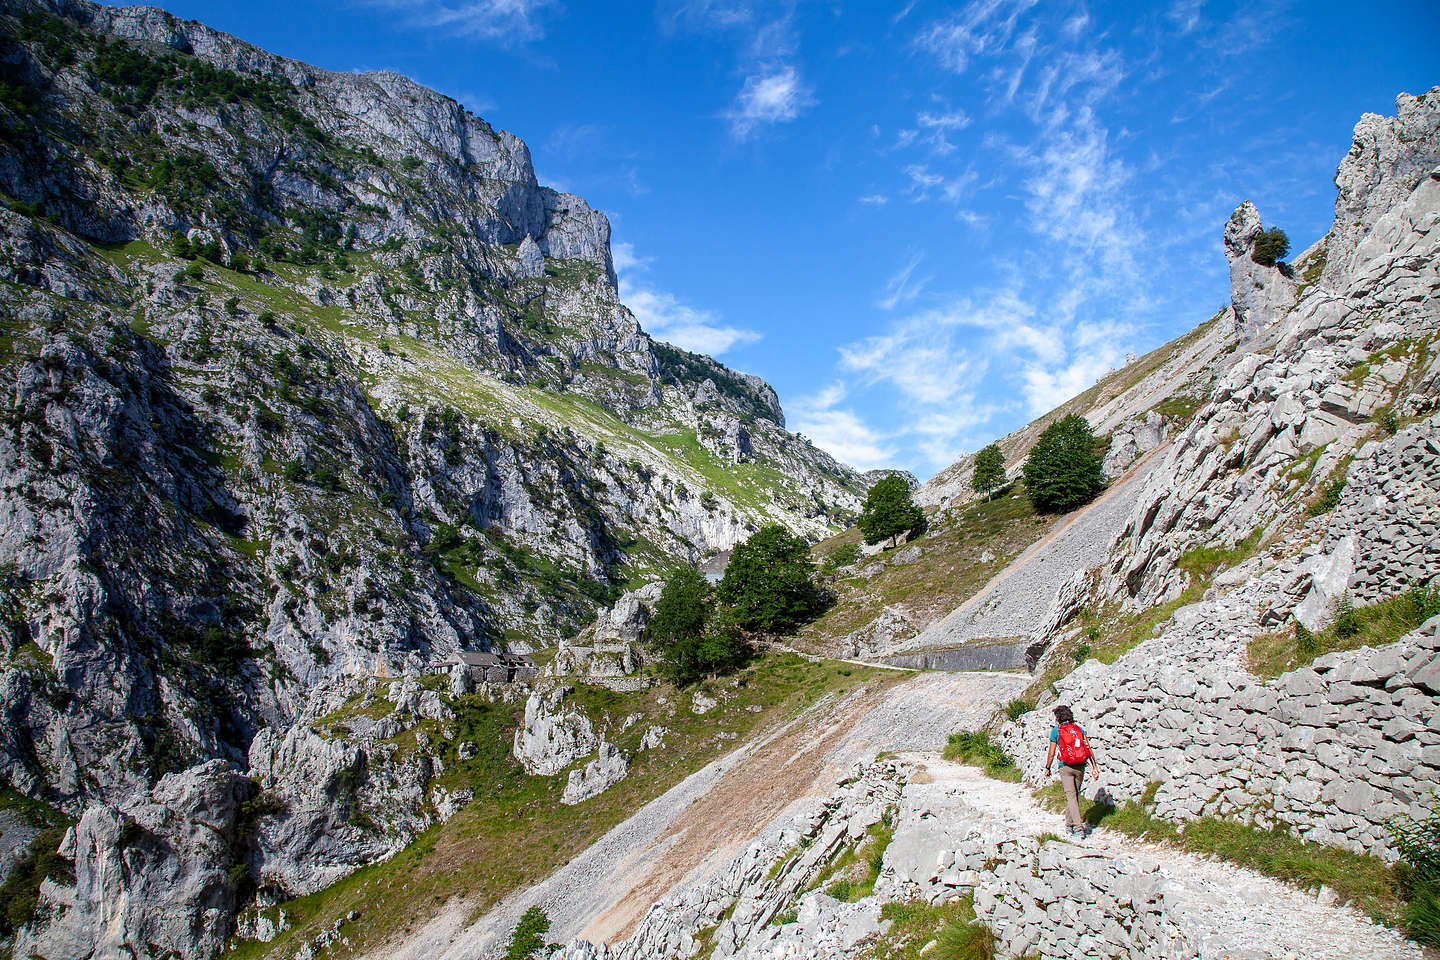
(597, 776)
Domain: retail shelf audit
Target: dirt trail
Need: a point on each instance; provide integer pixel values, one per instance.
(697, 826)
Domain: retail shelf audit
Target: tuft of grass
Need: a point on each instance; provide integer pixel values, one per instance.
(937, 932)
(1368, 882)
(976, 749)
(1018, 707)
(1271, 654)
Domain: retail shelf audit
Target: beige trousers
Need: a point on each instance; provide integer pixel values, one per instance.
(1070, 778)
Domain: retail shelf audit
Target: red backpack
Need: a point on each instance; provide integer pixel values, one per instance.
(1074, 751)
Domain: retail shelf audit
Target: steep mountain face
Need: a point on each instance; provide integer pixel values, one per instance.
(309, 381)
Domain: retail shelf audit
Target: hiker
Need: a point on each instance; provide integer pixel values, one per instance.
(1068, 740)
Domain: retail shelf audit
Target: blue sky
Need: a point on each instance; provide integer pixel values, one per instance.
(923, 222)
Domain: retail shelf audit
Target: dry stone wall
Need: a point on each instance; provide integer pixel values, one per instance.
(1330, 750)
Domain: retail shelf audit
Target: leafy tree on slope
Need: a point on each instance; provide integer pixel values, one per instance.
(989, 472)
(1063, 471)
(888, 511)
(769, 583)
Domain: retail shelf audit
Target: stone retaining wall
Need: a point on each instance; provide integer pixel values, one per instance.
(970, 656)
(1332, 750)
(1068, 901)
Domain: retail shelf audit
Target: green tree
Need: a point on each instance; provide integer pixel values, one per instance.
(989, 473)
(683, 611)
(1063, 471)
(684, 632)
(769, 582)
(1270, 246)
(888, 510)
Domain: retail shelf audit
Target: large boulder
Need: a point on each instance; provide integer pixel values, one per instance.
(552, 737)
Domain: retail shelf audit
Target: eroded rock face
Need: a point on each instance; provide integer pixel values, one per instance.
(153, 872)
(597, 776)
(1133, 439)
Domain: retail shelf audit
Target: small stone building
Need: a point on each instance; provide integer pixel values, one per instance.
(495, 667)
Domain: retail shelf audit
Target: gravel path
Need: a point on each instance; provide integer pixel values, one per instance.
(1015, 602)
(1228, 911)
(697, 826)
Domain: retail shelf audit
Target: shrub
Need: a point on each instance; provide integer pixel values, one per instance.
(1270, 245)
(1418, 843)
(528, 939)
(232, 306)
(1018, 707)
(1062, 471)
(1081, 653)
(1304, 641)
(888, 511)
(989, 473)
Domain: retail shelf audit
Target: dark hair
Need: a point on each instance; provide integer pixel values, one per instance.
(1063, 715)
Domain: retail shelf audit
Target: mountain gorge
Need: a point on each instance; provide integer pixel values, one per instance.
(315, 396)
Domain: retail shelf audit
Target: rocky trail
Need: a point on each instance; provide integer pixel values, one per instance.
(696, 828)
(1214, 909)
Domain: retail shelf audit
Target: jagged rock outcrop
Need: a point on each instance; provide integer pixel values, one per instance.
(1130, 441)
(607, 769)
(1344, 354)
(1260, 294)
(553, 737)
(610, 647)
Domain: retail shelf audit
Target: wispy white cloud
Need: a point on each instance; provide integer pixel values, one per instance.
(777, 96)
(496, 20)
(665, 316)
(627, 260)
(840, 431)
(926, 184)
(984, 26)
(903, 286)
(874, 199)
(1185, 14)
